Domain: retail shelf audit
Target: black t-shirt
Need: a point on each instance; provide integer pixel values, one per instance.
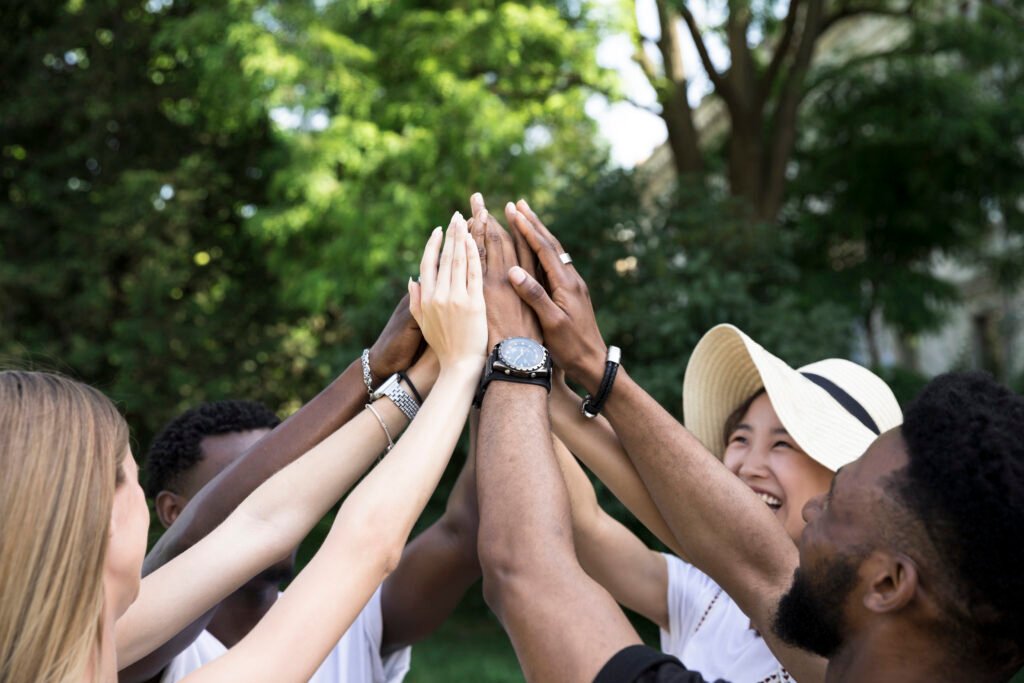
(641, 664)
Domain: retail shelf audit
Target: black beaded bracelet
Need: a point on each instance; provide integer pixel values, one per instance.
(592, 405)
(412, 387)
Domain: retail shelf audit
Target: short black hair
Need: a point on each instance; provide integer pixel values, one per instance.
(176, 448)
(965, 483)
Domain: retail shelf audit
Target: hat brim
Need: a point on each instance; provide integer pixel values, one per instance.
(727, 367)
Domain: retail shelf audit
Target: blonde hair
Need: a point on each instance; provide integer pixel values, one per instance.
(62, 445)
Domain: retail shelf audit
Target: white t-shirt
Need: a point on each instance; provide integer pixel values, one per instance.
(709, 634)
(355, 659)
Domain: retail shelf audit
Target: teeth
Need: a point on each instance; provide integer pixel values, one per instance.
(769, 500)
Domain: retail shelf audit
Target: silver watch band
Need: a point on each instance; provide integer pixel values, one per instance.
(392, 388)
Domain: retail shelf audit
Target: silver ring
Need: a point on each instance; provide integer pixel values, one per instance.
(565, 258)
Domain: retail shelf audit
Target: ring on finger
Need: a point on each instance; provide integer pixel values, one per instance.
(565, 258)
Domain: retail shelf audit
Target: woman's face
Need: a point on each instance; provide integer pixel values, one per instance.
(129, 526)
(762, 453)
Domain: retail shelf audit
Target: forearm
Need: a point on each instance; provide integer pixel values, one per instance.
(331, 408)
(364, 545)
(437, 567)
(714, 517)
(264, 528)
(595, 443)
(611, 554)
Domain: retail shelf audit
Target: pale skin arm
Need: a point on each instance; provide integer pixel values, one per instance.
(394, 350)
(594, 442)
(746, 551)
(265, 527)
(437, 567)
(369, 531)
(635, 575)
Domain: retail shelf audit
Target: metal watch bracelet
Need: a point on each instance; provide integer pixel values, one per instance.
(392, 388)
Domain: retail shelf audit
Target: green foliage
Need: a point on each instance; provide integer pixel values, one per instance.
(204, 200)
(910, 159)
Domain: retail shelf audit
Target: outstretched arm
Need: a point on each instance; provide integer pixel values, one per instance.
(562, 624)
(265, 527)
(437, 567)
(746, 550)
(635, 575)
(594, 442)
(370, 530)
(394, 350)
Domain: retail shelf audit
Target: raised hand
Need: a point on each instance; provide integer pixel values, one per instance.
(448, 301)
(507, 315)
(566, 315)
(398, 344)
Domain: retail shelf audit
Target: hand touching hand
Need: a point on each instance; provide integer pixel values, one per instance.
(398, 344)
(448, 301)
(507, 315)
(566, 315)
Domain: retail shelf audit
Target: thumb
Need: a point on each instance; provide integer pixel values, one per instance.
(530, 291)
(414, 302)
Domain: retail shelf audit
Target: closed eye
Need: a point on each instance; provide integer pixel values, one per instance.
(737, 438)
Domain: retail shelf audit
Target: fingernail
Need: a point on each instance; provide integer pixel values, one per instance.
(436, 230)
(516, 275)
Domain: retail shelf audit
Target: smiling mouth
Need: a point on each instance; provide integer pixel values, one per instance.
(769, 500)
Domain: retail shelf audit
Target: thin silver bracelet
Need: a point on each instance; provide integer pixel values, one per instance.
(367, 375)
(391, 443)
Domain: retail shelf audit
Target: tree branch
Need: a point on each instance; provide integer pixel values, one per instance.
(705, 59)
(781, 50)
(848, 11)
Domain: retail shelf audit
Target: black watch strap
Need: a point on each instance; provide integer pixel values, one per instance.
(493, 376)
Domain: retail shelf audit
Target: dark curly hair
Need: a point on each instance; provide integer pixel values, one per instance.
(176, 448)
(965, 485)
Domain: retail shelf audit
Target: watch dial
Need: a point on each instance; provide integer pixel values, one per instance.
(521, 354)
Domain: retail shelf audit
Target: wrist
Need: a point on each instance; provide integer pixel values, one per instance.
(589, 371)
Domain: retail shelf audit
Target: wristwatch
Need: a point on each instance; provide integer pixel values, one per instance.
(392, 388)
(516, 359)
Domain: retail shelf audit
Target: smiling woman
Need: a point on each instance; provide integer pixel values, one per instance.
(782, 431)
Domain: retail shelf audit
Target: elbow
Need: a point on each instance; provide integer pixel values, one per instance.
(505, 573)
(379, 543)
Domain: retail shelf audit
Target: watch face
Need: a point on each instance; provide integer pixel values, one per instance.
(520, 353)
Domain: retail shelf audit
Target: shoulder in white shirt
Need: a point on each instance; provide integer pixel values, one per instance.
(355, 659)
(710, 634)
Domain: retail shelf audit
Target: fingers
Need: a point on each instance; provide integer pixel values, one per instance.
(557, 274)
(415, 307)
(494, 240)
(478, 232)
(428, 264)
(524, 254)
(530, 291)
(444, 268)
(459, 260)
(474, 276)
(525, 209)
(476, 203)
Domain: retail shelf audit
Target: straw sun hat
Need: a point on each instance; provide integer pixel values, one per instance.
(833, 409)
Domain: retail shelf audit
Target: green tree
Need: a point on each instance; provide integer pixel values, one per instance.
(911, 159)
(200, 200)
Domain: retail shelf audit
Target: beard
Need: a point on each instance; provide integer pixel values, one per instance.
(810, 614)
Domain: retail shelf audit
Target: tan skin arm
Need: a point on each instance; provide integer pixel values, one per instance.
(563, 625)
(595, 443)
(635, 575)
(746, 551)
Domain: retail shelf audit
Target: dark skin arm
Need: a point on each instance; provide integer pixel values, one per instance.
(394, 350)
(745, 550)
(562, 624)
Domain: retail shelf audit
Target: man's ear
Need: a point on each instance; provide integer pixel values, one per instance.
(892, 581)
(168, 506)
